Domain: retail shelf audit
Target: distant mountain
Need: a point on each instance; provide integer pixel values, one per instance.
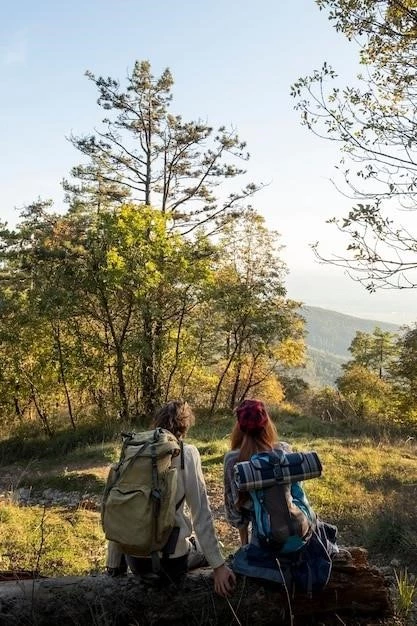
(329, 335)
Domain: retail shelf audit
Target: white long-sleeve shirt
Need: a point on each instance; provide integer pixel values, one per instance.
(190, 484)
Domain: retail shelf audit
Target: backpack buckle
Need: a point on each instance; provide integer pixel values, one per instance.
(156, 494)
(278, 475)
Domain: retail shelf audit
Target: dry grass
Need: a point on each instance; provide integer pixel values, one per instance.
(368, 489)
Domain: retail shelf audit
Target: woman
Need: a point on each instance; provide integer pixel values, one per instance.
(255, 432)
(177, 417)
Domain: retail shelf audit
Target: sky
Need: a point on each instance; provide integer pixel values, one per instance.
(233, 63)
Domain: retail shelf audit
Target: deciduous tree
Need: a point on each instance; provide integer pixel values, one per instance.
(375, 122)
(374, 351)
(254, 317)
(404, 368)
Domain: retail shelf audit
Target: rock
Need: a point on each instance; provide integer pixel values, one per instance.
(22, 494)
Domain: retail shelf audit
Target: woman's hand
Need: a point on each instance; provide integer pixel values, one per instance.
(224, 580)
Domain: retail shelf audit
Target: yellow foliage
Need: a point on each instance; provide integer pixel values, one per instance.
(291, 352)
(270, 390)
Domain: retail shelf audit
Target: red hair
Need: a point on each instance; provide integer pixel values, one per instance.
(250, 443)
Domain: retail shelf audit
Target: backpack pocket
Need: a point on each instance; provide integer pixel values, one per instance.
(127, 517)
(166, 518)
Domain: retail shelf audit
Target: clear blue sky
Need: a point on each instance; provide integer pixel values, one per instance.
(233, 63)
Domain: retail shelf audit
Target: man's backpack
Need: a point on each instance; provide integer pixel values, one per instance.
(282, 517)
(138, 508)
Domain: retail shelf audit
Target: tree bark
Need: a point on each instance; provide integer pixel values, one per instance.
(148, 369)
(237, 380)
(56, 331)
(355, 591)
(177, 346)
(222, 376)
(118, 345)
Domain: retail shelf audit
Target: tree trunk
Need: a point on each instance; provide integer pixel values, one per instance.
(41, 414)
(124, 412)
(355, 591)
(177, 347)
(19, 412)
(235, 385)
(221, 379)
(56, 331)
(118, 345)
(148, 382)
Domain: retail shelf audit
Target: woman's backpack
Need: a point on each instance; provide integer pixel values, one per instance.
(305, 571)
(138, 508)
(282, 517)
(292, 547)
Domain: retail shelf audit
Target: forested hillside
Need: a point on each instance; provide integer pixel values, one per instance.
(328, 337)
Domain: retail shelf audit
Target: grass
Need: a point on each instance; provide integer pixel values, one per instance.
(406, 592)
(368, 489)
(28, 444)
(85, 482)
(55, 541)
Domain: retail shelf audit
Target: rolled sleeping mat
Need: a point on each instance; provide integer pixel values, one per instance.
(265, 469)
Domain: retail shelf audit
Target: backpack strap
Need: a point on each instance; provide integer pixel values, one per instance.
(182, 453)
(182, 466)
(156, 504)
(292, 527)
(171, 544)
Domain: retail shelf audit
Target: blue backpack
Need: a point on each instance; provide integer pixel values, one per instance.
(282, 517)
(289, 545)
(306, 571)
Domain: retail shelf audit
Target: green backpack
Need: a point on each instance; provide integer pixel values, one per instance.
(138, 508)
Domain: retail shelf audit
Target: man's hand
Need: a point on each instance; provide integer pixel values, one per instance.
(224, 580)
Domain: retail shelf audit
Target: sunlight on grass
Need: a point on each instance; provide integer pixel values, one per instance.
(91, 482)
(57, 541)
(368, 489)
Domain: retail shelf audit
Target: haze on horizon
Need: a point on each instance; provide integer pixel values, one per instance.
(232, 63)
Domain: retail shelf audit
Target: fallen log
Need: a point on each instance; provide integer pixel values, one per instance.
(356, 591)
(19, 574)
